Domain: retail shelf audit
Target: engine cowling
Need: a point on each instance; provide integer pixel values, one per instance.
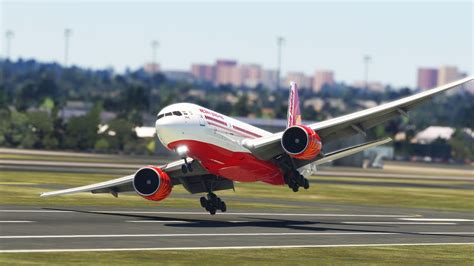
(152, 183)
(301, 142)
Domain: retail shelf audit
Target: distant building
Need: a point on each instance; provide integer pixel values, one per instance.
(427, 78)
(447, 74)
(251, 75)
(151, 68)
(321, 78)
(269, 79)
(177, 75)
(227, 72)
(300, 78)
(202, 72)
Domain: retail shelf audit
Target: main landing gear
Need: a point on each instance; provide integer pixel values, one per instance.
(213, 203)
(295, 180)
(186, 167)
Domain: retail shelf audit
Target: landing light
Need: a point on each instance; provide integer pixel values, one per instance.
(182, 150)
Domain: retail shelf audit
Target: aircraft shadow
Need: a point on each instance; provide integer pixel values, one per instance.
(260, 222)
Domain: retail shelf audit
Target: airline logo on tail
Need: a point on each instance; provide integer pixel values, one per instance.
(294, 113)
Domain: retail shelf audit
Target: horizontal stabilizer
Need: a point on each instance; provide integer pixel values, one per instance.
(351, 150)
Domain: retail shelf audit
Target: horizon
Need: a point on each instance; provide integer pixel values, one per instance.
(206, 32)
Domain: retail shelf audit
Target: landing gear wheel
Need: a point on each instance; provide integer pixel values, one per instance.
(190, 168)
(184, 169)
(203, 202)
(295, 188)
(212, 210)
(223, 207)
(306, 184)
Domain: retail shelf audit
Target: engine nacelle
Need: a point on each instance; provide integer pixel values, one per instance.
(152, 183)
(301, 142)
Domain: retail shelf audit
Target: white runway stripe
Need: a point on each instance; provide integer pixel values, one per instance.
(401, 223)
(16, 221)
(154, 221)
(226, 213)
(226, 234)
(436, 219)
(179, 221)
(33, 211)
(224, 248)
(195, 235)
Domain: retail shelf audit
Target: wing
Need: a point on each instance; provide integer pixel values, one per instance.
(266, 148)
(192, 181)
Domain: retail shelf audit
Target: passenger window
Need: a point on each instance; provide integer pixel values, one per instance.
(184, 113)
(178, 113)
(160, 116)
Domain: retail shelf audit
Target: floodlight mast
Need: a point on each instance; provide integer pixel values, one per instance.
(67, 35)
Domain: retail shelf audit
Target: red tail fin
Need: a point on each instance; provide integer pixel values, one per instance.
(294, 113)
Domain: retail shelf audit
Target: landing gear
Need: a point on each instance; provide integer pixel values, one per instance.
(186, 167)
(295, 180)
(213, 203)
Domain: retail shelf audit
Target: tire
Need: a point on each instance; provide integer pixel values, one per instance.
(212, 210)
(295, 188)
(306, 184)
(203, 202)
(223, 207)
(184, 169)
(190, 168)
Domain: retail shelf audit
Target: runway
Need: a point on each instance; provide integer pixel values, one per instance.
(107, 229)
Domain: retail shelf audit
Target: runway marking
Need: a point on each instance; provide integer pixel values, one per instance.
(178, 221)
(404, 223)
(228, 234)
(16, 221)
(196, 235)
(436, 220)
(224, 248)
(263, 214)
(229, 213)
(34, 211)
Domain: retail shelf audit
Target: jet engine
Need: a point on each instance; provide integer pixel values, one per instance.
(152, 183)
(301, 142)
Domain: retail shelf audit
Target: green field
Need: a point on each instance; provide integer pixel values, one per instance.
(388, 255)
(23, 188)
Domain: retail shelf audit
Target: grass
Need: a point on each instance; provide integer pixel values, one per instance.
(92, 159)
(18, 188)
(388, 255)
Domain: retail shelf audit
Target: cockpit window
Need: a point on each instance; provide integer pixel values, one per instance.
(160, 116)
(168, 114)
(178, 113)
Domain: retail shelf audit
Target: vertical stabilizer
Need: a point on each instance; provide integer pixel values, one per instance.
(294, 113)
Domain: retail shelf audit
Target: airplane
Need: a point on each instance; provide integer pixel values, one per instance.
(216, 150)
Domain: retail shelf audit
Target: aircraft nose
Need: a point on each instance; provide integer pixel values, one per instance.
(164, 129)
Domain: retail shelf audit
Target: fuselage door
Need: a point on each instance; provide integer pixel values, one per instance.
(201, 121)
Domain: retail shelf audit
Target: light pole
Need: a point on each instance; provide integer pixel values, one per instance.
(367, 60)
(67, 35)
(280, 41)
(8, 37)
(154, 47)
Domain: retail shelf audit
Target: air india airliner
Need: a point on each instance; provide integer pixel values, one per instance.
(216, 150)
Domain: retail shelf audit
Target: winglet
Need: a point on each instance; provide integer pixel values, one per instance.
(294, 113)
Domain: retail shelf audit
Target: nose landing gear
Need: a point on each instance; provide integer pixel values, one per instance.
(186, 167)
(213, 203)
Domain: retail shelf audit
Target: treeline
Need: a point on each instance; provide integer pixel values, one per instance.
(32, 95)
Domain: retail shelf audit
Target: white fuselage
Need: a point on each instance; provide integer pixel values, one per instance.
(185, 121)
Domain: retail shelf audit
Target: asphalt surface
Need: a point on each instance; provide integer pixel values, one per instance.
(34, 228)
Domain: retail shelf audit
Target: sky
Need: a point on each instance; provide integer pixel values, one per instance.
(399, 36)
